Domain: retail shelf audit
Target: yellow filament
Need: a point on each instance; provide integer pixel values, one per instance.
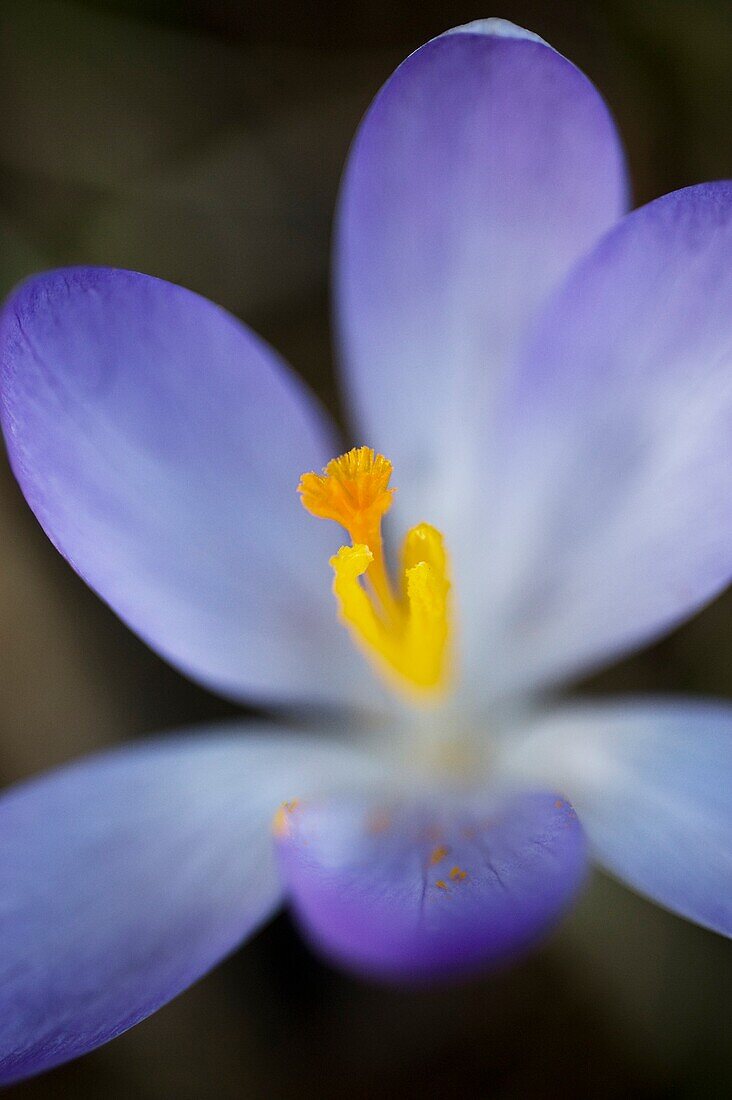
(404, 632)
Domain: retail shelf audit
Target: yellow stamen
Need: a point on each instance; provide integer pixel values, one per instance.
(405, 632)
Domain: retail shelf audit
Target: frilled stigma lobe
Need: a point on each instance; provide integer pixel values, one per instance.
(403, 629)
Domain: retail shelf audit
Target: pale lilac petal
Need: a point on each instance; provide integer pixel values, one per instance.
(652, 783)
(611, 517)
(125, 877)
(402, 891)
(159, 443)
(485, 167)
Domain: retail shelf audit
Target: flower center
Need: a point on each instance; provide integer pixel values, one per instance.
(404, 629)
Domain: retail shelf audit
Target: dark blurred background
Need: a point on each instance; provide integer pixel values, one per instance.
(203, 142)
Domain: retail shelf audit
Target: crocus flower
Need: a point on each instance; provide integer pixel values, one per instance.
(550, 380)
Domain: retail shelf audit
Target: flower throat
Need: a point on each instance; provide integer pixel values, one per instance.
(403, 629)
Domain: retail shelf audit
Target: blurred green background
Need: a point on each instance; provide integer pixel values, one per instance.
(203, 142)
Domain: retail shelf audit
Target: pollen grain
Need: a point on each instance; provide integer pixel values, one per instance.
(281, 823)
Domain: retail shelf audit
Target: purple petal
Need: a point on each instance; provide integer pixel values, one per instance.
(124, 878)
(611, 518)
(652, 781)
(485, 167)
(159, 443)
(404, 892)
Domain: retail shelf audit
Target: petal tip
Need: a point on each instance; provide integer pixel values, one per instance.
(496, 28)
(417, 894)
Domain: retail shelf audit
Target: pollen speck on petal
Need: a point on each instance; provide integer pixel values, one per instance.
(281, 820)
